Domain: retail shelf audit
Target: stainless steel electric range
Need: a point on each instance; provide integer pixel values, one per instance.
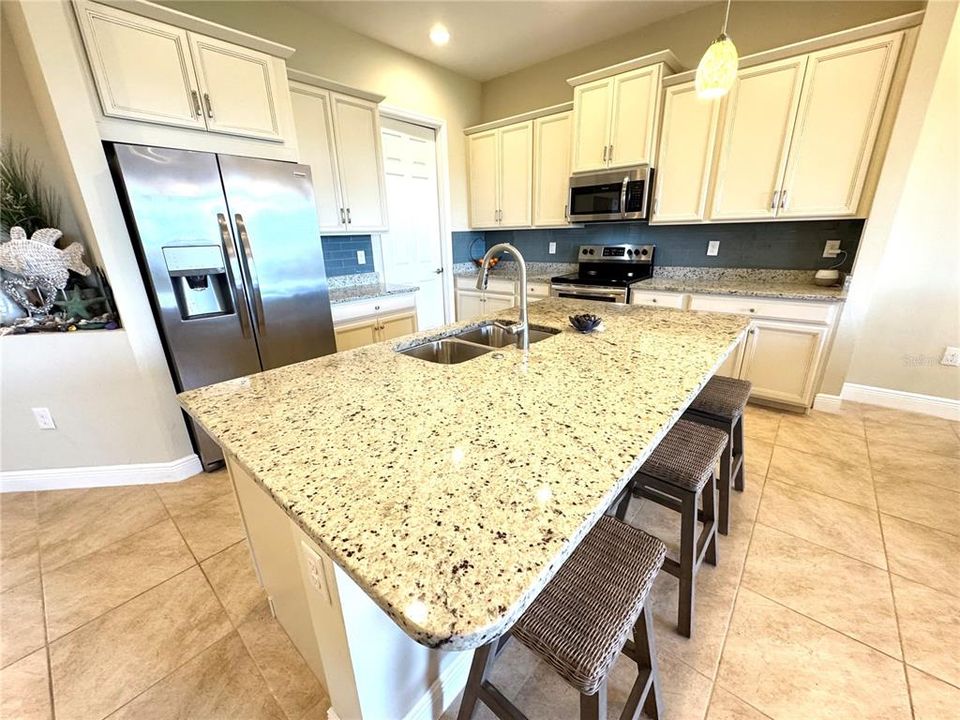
(605, 273)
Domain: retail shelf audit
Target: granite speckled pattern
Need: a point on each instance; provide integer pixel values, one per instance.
(772, 283)
(536, 272)
(451, 494)
(349, 293)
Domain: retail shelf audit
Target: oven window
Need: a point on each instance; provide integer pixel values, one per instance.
(595, 199)
(587, 296)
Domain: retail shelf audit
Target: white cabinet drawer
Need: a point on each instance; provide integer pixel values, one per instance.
(660, 299)
(494, 284)
(802, 310)
(343, 312)
(538, 290)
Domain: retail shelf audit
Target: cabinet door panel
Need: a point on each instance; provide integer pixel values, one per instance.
(398, 326)
(482, 152)
(357, 130)
(497, 303)
(758, 121)
(731, 366)
(685, 157)
(516, 170)
(355, 335)
(782, 359)
(844, 94)
(591, 124)
(239, 88)
(551, 171)
(469, 305)
(634, 116)
(158, 86)
(315, 140)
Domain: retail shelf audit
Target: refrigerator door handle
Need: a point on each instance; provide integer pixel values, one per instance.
(238, 296)
(251, 273)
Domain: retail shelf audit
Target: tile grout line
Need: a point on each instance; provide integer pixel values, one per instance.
(43, 613)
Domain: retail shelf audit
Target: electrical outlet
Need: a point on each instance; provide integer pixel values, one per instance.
(831, 248)
(315, 570)
(361, 257)
(552, 248)
(951, 356)
(44, 418)
(713, 248)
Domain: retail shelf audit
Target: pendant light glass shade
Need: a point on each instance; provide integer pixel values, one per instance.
(717, 69)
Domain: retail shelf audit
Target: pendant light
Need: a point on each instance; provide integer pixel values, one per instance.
(718, 66)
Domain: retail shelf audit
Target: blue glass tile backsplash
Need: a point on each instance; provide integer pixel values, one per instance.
(340, 254)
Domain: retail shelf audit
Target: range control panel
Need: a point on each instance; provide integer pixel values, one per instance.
(616, 253)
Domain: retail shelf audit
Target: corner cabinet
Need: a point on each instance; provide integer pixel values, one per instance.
(501, 176)
(151, 71)
(338, 136)
(781, 359)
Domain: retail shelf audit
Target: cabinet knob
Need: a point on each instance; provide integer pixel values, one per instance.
(653, 300)
(753, 309)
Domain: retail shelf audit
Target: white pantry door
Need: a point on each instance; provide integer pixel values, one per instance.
(411, 248)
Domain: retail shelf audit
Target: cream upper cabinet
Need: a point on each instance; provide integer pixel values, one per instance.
(484, 188)
(843, 98)
(633, 118)
(363, 185)
(551, 168)
(685, 156)
(159, 86)
(781, 359)
(758, 122)
(239, 88)
(501, 176)
(591, 124)
(315, 140)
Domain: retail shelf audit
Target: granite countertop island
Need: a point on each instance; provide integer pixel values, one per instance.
(450, 494)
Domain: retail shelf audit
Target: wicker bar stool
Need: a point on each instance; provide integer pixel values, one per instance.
(580, 622)
(680, 475)
(720, 404)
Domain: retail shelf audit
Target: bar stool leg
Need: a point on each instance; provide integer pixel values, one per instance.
(483, 658)
(736, 438)
(643, 640)
(726, 464)
(709, 517)
(594, 707)
(688, 559)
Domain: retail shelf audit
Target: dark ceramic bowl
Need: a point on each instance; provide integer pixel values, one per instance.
(585, 323)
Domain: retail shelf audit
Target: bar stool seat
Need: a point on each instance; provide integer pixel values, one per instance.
(686, 456)
(723, 397)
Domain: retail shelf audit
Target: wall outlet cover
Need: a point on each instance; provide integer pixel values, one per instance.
(831, 248)
(552, 248)
(315, 570)
(951, 356)
(44, 418)
(361, 257)
(713, 248)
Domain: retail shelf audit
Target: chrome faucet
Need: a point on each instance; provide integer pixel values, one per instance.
(520, 329)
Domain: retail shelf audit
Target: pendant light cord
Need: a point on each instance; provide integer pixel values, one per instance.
(726, 16)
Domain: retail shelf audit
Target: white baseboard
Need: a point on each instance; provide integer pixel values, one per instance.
(443, 690)
(827, 403)
(946, 408)
(102, 476)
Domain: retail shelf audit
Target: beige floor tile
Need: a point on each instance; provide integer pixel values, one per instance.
(838, 591)
(929, 626)
(685, 692)
(289, 677)
(932, 699)
(221, 683)
(922, 554)
(128, 649)
(24, 691)
(799, 434)
(234, 581)
(878, 414)
(21, 621)
(936, 439)
(180, 497)
(757, 457)
(825, 475)
(727, 706)
(761, 423)
(318, 711)
(788, 666)
(19, 549)
(893, 462)
(926, 504)
(81, 590)
(74, 523)
(211, 527)
(848, 421)
(849, 529)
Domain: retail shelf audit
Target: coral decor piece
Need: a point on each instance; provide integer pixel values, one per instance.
(38, 265)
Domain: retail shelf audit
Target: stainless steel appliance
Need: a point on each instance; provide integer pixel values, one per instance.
(605, 273)
(611, 196)
(230, 253)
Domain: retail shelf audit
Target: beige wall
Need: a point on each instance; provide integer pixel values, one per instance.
(754, 26)
(905, 303)
(340, 54)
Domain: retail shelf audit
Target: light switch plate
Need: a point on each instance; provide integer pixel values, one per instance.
(361, 257)
(44, 418)
(831, 248)
(315, 571)
(552, 248)
(713, 248)
(951, 356)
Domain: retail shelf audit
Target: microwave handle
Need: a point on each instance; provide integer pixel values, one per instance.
(623, 196)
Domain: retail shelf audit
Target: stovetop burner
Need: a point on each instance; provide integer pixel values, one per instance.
(610, 266)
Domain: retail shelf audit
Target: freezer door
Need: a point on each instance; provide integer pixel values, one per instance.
(275, 221)
(178, 220)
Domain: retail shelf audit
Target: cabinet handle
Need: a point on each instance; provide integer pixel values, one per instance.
(566, 213)
(343, 217)
(349, 219)
(784, 199)
(775, 201)
(610, 155)
(196, 104)
(656, 206)
(206, 100)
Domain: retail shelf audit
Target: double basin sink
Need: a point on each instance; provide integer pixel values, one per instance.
(472, 342)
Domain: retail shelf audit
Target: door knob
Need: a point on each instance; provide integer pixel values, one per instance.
(439, 271)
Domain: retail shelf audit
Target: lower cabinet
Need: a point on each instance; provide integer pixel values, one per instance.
(364, 322)
(781, 359)
(501, 295)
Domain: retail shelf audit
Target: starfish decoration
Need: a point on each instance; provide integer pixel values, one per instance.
(75, 304)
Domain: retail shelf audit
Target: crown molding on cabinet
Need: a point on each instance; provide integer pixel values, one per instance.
(321, 82)
(198, 25)
(841, 37)
(522, 117)
(664, 56)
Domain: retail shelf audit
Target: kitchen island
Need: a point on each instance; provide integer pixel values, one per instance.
(450, 494)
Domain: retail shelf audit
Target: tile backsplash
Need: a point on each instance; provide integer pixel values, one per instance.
(340, 254)
(796, 245)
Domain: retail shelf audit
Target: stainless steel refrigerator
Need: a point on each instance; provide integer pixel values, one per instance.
(230, 252)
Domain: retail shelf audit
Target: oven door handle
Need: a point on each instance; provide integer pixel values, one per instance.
(623, 196)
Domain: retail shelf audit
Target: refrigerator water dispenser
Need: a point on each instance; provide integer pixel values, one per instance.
(200, 282)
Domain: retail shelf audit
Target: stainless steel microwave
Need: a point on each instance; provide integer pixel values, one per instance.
(614, 195)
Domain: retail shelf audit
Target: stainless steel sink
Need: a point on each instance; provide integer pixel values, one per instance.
(493, 336)
(446, 352)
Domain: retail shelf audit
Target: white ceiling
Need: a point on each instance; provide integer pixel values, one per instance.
(491, 38)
